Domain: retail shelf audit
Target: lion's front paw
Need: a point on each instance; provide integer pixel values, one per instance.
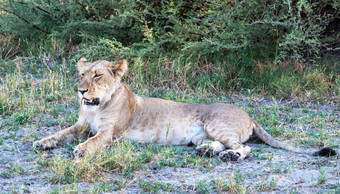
(45, 144)
(229, 155)
(78, 152)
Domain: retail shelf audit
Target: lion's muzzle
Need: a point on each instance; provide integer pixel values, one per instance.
(93, 102)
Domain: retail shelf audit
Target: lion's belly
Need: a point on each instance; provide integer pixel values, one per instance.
(165, 134)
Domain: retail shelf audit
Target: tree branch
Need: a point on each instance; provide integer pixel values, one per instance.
(23, 19)
(48, 13)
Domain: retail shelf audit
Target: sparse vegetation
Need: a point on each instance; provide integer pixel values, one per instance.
(124, 157)
(155, 187)
(322, 178)
(14, 170)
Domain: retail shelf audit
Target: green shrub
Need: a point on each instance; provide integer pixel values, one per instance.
(247, 30)
(210, 45)
(22, 118)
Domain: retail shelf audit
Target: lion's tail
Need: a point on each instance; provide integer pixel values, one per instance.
(265, 137)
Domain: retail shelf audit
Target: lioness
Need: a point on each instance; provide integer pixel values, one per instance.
(109, 108)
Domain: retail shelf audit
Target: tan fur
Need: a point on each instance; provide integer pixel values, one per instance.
(213, 128)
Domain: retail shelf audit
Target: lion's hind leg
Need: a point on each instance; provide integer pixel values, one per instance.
(230, 138)
(236, 152)
(206, 146)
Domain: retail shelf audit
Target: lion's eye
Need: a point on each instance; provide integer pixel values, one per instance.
(97, 76)
(81, 76)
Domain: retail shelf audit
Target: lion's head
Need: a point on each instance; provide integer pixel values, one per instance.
(99, 80)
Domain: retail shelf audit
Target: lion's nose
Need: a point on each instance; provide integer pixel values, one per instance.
(83, 91)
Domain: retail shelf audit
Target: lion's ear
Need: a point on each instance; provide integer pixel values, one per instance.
(120, 69)
(81, 63)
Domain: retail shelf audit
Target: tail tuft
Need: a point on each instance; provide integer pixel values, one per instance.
(327, 151)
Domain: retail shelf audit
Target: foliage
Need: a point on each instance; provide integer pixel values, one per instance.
(210, 45)
(247, 30)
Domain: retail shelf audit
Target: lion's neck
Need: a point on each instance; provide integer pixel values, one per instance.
(131, 98)
(122, 96)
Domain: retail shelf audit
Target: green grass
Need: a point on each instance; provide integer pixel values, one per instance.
(14, 170)
(314, 128)
(266, 185)
(155, 187)
(27, 93)
(322, 178)
(115, 185)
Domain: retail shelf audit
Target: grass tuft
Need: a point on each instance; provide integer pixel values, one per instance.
(124, 157)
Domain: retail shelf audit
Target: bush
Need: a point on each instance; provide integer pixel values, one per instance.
(184, 44)
(246, 30)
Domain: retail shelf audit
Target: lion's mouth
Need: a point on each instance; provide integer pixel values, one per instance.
(93, 102)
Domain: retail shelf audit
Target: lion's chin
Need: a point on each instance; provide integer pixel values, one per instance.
(93, 102)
